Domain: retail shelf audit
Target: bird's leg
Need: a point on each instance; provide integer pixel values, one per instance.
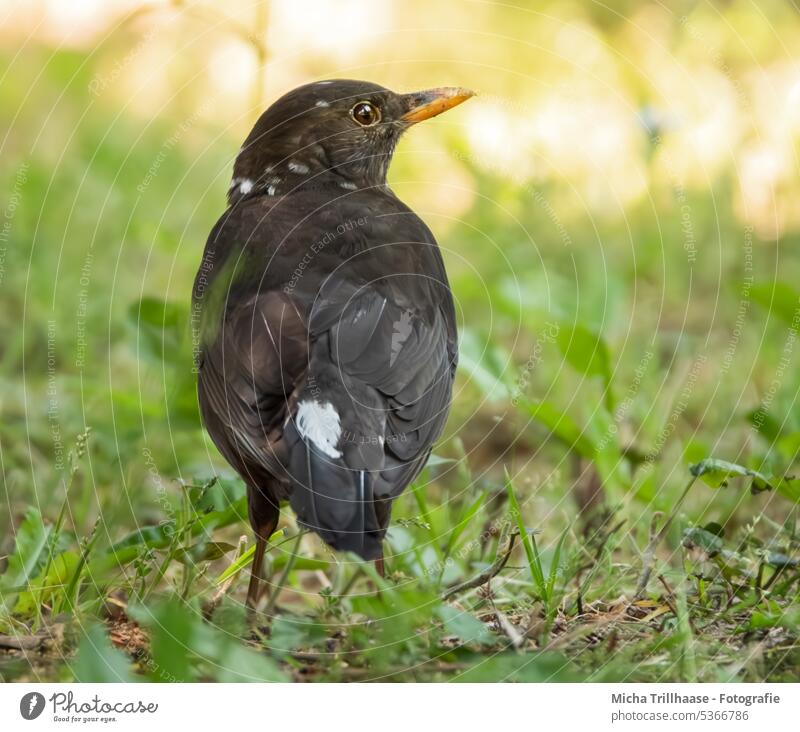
(381, 570)
(263, 528)
(255, 573)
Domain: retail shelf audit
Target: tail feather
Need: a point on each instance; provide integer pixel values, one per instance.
(362, 509)
(333, 500)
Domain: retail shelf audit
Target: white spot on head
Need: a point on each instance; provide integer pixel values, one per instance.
(322, 102)
(245, 186)
(347, 185)
(296, 167)
(320, 424)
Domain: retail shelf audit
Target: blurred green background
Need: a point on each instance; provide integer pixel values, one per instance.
(618, 209)
(623, 167)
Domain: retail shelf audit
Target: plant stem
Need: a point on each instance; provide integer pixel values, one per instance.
(284, 575)
(649, 556)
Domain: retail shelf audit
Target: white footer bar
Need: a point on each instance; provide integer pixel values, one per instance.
(400, 707)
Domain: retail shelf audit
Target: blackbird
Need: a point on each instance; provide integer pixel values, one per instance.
(324, 327)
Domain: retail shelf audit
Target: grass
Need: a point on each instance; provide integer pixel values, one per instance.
(165, 603)
(612, 499)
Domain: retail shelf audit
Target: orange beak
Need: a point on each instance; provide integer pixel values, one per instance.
(426, 104)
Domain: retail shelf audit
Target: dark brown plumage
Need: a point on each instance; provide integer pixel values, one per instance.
(324, 321)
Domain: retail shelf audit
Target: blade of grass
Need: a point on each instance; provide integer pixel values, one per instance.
(422, 505)
(290, 562)
(245, 559)
(70, 598)
(531, 552)
(462, 523)
(554, 565)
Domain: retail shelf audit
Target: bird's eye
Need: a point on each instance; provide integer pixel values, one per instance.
(365, 114)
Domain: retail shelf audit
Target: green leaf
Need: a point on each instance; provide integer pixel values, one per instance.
(172, 624)
(779, 298)
(43, 588)
(230, 617)
(484, 365)
(463, 625)
(695, 536)
(304, 563)
(218, 494)
(716, 473)
(204, 551)
(98, 661)
(585, 351)
(233, 513)
(159, 537)
(29, 550)
(236, 663)
(396, 616)
(560, 424)
(161, 329)
(788, 487)
(293, 633)
(152, 537)
(759, 620)
(781, 561)
(715, 528)
(185, 647)
(790, 619)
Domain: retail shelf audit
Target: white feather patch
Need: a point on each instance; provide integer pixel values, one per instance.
(320, 424)
(245, 186)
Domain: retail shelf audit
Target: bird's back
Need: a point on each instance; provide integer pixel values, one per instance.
(327, 350)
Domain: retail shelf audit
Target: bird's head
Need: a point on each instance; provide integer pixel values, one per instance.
(331, 132)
